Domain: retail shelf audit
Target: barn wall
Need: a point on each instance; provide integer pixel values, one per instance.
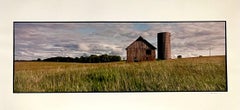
(138, 50)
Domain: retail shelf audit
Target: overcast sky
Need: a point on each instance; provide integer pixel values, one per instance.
(44, 40)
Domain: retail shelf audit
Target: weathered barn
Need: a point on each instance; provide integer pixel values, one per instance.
(140, 50)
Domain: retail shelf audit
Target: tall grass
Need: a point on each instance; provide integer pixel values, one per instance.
(194, 74)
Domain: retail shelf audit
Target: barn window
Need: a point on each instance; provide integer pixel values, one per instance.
(135, 59)
(148, 52)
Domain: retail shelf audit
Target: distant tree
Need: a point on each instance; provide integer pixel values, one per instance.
(39, 59)
(76, 59)
(60, 59)
(86, 59)
(83, 59)
(94, 59)
(104, 58)
(115, 58)
(179, 56)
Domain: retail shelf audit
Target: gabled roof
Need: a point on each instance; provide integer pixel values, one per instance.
(140, 38)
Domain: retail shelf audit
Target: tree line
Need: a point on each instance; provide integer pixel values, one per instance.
(85, 59)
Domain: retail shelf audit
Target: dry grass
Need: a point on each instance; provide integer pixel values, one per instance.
(192, 74)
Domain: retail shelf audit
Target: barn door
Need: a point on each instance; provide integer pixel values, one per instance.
(135, 59)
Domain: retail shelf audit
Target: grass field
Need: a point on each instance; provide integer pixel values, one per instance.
(186, 74)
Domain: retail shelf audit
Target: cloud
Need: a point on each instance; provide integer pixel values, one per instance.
(84, 47)
(68, 46)
(104, 49)
(33, 40)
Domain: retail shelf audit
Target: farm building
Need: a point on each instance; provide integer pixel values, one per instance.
(140, 50)
(164, 45)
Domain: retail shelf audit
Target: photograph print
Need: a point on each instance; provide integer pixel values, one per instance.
(119, 56)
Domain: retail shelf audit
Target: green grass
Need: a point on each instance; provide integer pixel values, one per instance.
(191, 74)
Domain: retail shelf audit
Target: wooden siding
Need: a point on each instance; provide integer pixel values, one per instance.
(137, 51)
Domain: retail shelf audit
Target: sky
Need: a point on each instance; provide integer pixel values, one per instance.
(42, 40)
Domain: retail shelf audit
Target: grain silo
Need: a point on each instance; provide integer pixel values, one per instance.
(163, 45)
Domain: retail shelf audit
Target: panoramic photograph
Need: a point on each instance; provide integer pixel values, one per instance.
(119, 56)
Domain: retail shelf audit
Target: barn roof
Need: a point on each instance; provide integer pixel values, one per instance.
(140, 38)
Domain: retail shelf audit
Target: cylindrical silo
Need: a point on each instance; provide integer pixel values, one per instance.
(163, 45)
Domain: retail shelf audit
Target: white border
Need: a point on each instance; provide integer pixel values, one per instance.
(104, 10)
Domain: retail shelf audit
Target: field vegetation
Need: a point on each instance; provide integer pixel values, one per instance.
(184, 74)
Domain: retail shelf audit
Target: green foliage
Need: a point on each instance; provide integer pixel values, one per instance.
(193, 74)
(98, 59)
(86, 59)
